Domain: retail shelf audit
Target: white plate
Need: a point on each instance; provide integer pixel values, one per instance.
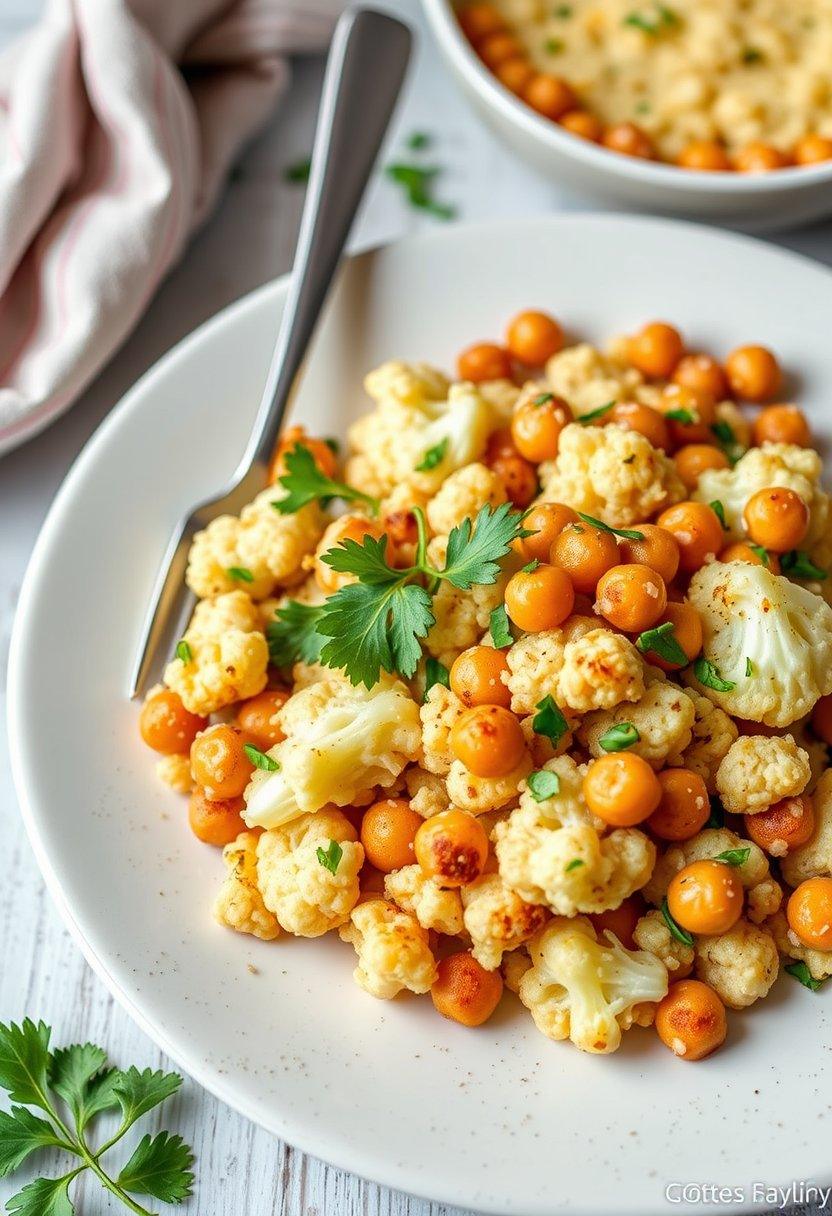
(498, 1119)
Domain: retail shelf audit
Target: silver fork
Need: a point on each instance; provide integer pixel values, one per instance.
(364, 75)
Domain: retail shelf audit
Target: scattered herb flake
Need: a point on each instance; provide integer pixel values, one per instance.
(417, 183)
(716, 819)
(531, 566)
(707, 673)
(574, 864)
(734, 857)
(676, 930)
(624, 533)
(240, 573)
(260, 759)
(803, 975)
(663, 19)
(752, 54)
(433, 456)
(436, 673)
(718, 509)
(619, 737)
(749, 668)
(798, 564)
(562, 11)
(543, 398)
(686, 417)
(499, 627)
(299, 171)
(761, 553)
(183, 651)
(549, 721)
(543, 784)
(418, 141)
(662, 641)
(330, 857)
(553, 46)
(594, 415)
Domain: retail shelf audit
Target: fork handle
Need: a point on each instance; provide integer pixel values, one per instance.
(364, 73)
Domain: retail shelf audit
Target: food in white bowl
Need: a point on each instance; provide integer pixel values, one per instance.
(546, 709)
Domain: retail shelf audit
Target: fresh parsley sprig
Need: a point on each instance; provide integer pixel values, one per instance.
(304, 482)
(71, 1086)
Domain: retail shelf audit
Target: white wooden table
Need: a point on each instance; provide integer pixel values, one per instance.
(240, 1169)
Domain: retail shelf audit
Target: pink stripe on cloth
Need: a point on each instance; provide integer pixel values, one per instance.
(118, 122)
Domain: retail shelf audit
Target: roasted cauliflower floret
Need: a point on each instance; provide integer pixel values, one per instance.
(758, 771)
(663, 716)
(600, 670)
(713, 732)
(587, 990)
(408, 383)
(462, 495)
(612, 474)
(278, 543)
(213, 618)
(763, 894)
(478, 795)
(427, 792)
(392, 948)
(535, 662)
(214, 554)
(789, 944)
(433, 906)
(439, 714)
(652, 934)
(778, 632)
(497, 919)
(552, 852)
(514, 966)
(587, 378)
(813, 859)
(341, 742)
(462, 617)
(239, 904)
(740, 965)
(219, 672)
(175, 771)
(307, 898)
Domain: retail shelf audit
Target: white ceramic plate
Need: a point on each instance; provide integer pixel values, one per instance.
(498, 1119)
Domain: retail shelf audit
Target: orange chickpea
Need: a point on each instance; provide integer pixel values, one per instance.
(546, 521)
(585, 553)
(533, 337)
(500, 443)
(515, 73)
(739, 551)
(464, 991)
(219, 762)
(753, 373)
(694, 458)
(781, 424)
(697, 531)
(691, 1020)
(519, 478)
(583, 124)
(809, 913)
(687, 630)
(388, 831)
(621, 921)
(539, 599)
(656, 349)
(629, 140)
(684, 808)
(497, 48)
(166, 725)
(324, 457)
(484, 361)
(452, 847)
(689, 414)
(812, 149)
(702, 374)
(758, 157)
(783, 826)
(254, 717)
(549, 95)
(776, 518)
(536, 427)
(480, 20)
(621, 789)
(657, 549)
(488, 741)
(347, 527)
(706, 155)
(215, 821)
(706, 897)
(631, 597)
(475, 677)
(634, 416)
(822, 720)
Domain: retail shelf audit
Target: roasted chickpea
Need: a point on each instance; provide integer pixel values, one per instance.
(464, 991)
(388, 830)
(776, 518)
(629, 140)
(822, 720)
(706, 897)
(323, 455)
(537, 425)
(656, 349)
(783, 826)
(480, 20)
(255, 717)
(452, 848)
(546, 521)
(497, 48)
(689, 414)
(703, 375)
(215, 821)
(499, 443)
(519, 478)
(631, 597)
(488, 741)
(166, 725)
(782, 424)
(694, 458)
(739, 551)
(684, 808)
(657, 549)
(687, 631)
(758, 157)
(583, 124)
(533, 337)
(549, 95)
(219, 762)
(809, 913)
(585, 553)
(691, 1020)
(620, 921)
(753, 373)
(697, 531)
(621, 789)
(812, 149)
(650, 423)
(484, 361)
(706, 155)
(539, 599)
(515, 73)
(476, 677)
(346, 527)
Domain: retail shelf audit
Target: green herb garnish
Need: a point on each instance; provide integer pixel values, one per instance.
(718, 509)
(292, 635)
(749, 668)
(752, 54)
(553, 46)
(624, 533)
(734, 857)
(299, 171)
(260, 759)
(619, 737)
(183, 651)
(663, 641)
(418, 141)
(562, 11)
(330, 857)
(684, 416)
(240, 573)
(500, 628)
(798, 564)
(543, 784)
(433, 456)
(574, 864)
(304, 482)
(531, 566)
(543, 398)
(549, 721)
(761, 553)
(724, 433)
(417, 182)
(593, 415)
(716, 819)
(707, 673)
(803, 975)
(663, 19)
(436, 673)
(676, 930)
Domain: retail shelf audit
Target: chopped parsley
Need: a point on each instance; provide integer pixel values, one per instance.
(543, 784)
(298, 172)
(658, 21)
(418, 141)
(724, 434)
(803, 975)
(663, 641)
(593, 415)
(183, 651)
(718, 509)
(543, 398)
(676, 930)
(734, 857)
(624, 533)
(749, 668)
(433, 456)
(707, 673)
(798, 564)
(436, 673)
(330, 857)
(761, 553)
(619, 737)
(417, 182)
(531, 566)
(686, 417)
(499, 627)
(549, 721)
(240, 573)
(260, 759)
(553, 46)
(574, 864)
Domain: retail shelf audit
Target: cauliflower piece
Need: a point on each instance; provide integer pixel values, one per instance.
(515, 965)
(497, 919)
(653, 935)
(610, 473)
(392, 948)
(763, 894)
(758, 771)
(304, 895)
(538, 847)
(587, 378)
(536, 659)
(433, 906)
(813, 859)
(461, 496)
(599, 670)
(663, 716)
(773, 464)
(219, 672)
(340, 742)
(213, 554)
(713, 733)
(275, 544)
(784, 631)
(462, 617)
(588, 991)
(407, 383)
(478, 795)
(239, 904)
(439, 714)
(214, 618)
(740, 965)
(428, 792)
(175, 771)
(789, 944)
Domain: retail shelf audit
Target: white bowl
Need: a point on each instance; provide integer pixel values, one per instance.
(753, 202)
(497, 1119)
